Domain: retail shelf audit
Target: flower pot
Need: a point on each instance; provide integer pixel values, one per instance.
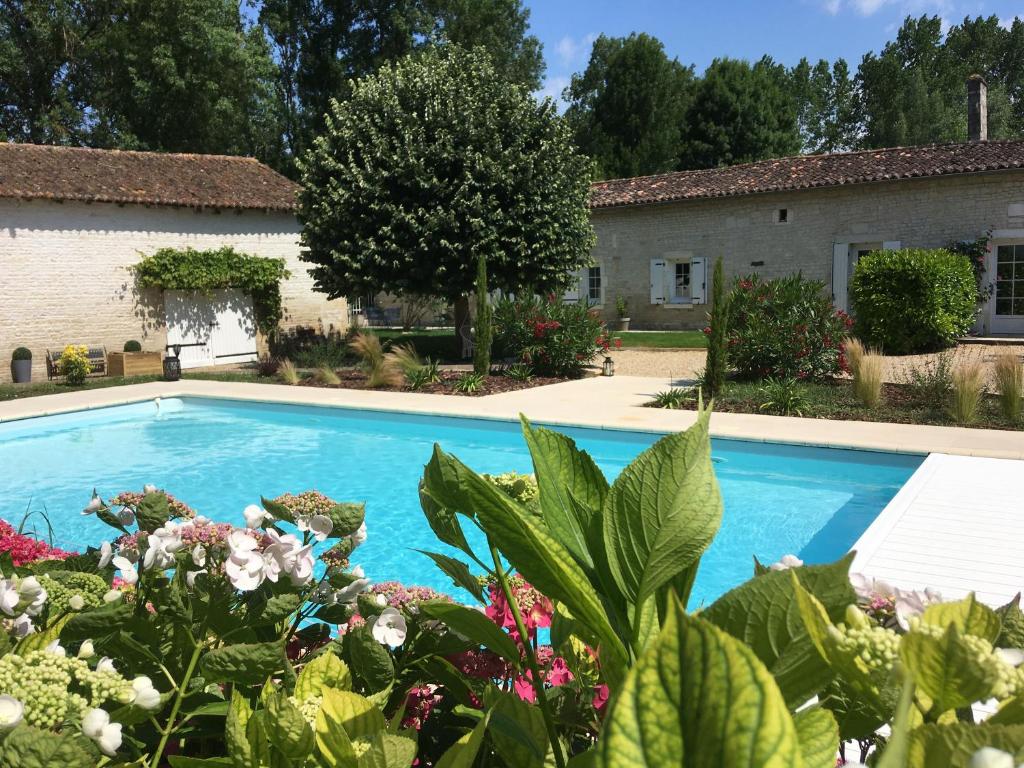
(21, 370)
(623, 324)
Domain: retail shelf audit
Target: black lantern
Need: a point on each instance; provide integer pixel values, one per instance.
(172, 365)
(608, 369)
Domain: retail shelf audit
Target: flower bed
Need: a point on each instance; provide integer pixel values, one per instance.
(351, 378)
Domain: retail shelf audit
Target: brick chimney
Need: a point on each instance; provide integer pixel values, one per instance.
(977, 108)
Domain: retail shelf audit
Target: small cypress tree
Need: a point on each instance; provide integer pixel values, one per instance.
(482, 340)
(718, 320)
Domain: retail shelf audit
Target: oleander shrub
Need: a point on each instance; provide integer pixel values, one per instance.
(914, 300)
(785, 328)
(553, 337)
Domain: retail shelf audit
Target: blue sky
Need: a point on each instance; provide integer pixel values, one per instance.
(696, 32)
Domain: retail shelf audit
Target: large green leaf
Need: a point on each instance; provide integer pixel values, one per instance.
(332, 740)
(945, 669)
(178, 761)
(662, 512)
(28, 747)
(458, 572)
(517, 730)
(346, 518)
(153, 511)
(699, 697)
(444, 522)
(462, 754)
(969, 616)
(475, 626)
(235, 731)
(528, 545)
(565, 473)
(819, 736)
(357, 715)
(324, 671)
(765, 614)
(1011, 635)
(247, 663)
(953, 745)
(288, 729)
(370, 660)
(388, 751)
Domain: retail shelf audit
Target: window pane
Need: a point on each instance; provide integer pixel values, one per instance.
(1004, 306)
(1004, 254)
(594, 284)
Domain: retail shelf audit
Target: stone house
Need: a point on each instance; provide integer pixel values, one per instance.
(658, 236)
(72, 222)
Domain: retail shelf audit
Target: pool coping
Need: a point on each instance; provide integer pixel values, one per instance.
(595, 403)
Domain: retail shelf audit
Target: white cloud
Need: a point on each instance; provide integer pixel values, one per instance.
(572, 51)
(553, 87)
(903, 7)
(832, 7)
(1006, 23)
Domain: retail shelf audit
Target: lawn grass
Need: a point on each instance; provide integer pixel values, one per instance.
(662, 339)
(835, 400)
(21, 391)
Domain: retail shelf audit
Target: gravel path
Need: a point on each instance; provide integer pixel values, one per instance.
(680, 365)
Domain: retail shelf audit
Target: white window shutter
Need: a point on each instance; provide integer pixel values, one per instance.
(572, 293)
(840, 274)
(698, 290)
(891, 245)
(657, 281)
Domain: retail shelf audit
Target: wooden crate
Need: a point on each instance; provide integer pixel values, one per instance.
(134, 363)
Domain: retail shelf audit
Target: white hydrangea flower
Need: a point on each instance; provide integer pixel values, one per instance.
(255, 515)
(359, 536)
(319, 525)
(144, 695)
(114, 595)
(390, 628)
(128, 573)
(199, 555)
(106, 665)
(149, 488)
(286, 555)
(22, 626)
(56, 649)
(245, 566)
(787, 562)
(163, 543)
(94, 505)
(358, 572)
(32, 595)
(9, 597)
(12, 712)
(190, 577)
(86, 650)
(76, 603)
(106, 553)
(107, 735)
(990, 757)
(352, 591)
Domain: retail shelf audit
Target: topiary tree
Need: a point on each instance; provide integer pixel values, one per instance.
(435, 161)
(914, 300)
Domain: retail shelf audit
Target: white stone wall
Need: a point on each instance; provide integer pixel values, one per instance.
(923, 213)
(64, 276)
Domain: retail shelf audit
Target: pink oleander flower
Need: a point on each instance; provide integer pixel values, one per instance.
(558, 673)
(418, 704)
(25, 550)
(523, 688)
(600, 699)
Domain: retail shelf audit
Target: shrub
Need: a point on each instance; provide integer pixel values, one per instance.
(308, 348)
(22, 353)
(913, 300)
(468, 383)
(783, 396)
(287, 372)
(267, 366)
(553, 337)
(672, 398)
(867, 379)
(717, 333)
(784, 328)
(968, 387)
(929, 383)
(519, 372)
(74, 363)
(132, 346)
(1009, 376)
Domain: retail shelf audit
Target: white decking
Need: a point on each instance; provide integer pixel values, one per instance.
(956, 526)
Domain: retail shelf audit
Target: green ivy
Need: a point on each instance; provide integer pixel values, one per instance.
(173, 269)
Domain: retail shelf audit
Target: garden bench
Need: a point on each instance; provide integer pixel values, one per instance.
(97, 362)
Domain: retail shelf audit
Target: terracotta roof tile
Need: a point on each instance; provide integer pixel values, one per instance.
(811, 172)
(34, 171)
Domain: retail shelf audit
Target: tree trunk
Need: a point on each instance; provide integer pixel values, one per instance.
(461, 310)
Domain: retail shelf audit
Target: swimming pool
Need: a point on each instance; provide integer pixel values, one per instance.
(220, 455)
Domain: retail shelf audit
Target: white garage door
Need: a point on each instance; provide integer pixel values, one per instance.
(213, 328)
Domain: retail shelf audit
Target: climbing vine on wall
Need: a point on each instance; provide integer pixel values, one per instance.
(173, 269)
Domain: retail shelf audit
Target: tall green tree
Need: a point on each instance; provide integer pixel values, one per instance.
(183, 75)
(432, 163)
(827, 115)
(321, 46)
(43, 51)
(740, 113)
(627, 107)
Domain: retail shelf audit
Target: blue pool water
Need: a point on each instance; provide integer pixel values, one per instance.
(219, 456)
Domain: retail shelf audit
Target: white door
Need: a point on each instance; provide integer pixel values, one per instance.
(1007, 305)
(213, 328)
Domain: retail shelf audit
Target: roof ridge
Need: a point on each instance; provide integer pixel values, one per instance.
(115, 150)
(812, 156)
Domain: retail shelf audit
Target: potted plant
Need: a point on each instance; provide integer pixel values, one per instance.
(134, 362)
(621, 309)
(21, 365)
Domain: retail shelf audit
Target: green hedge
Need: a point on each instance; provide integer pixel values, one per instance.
(914, 300)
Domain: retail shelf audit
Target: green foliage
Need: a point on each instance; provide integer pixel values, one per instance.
(21, 353)
(484, 170)
(740, 113)
(827, 108)
(626, 109)
(673, 398)
(913, 300)
(171, 269)
(784, 328)
(132, 346)
(468, 383)
(718, 334)
(783, 396)
(553, 337)
(519, 372)
(482, 330)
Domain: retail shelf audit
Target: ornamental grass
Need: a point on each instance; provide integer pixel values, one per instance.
(287, 372)
(867, 378)
(1009, 376)
(968, 389)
